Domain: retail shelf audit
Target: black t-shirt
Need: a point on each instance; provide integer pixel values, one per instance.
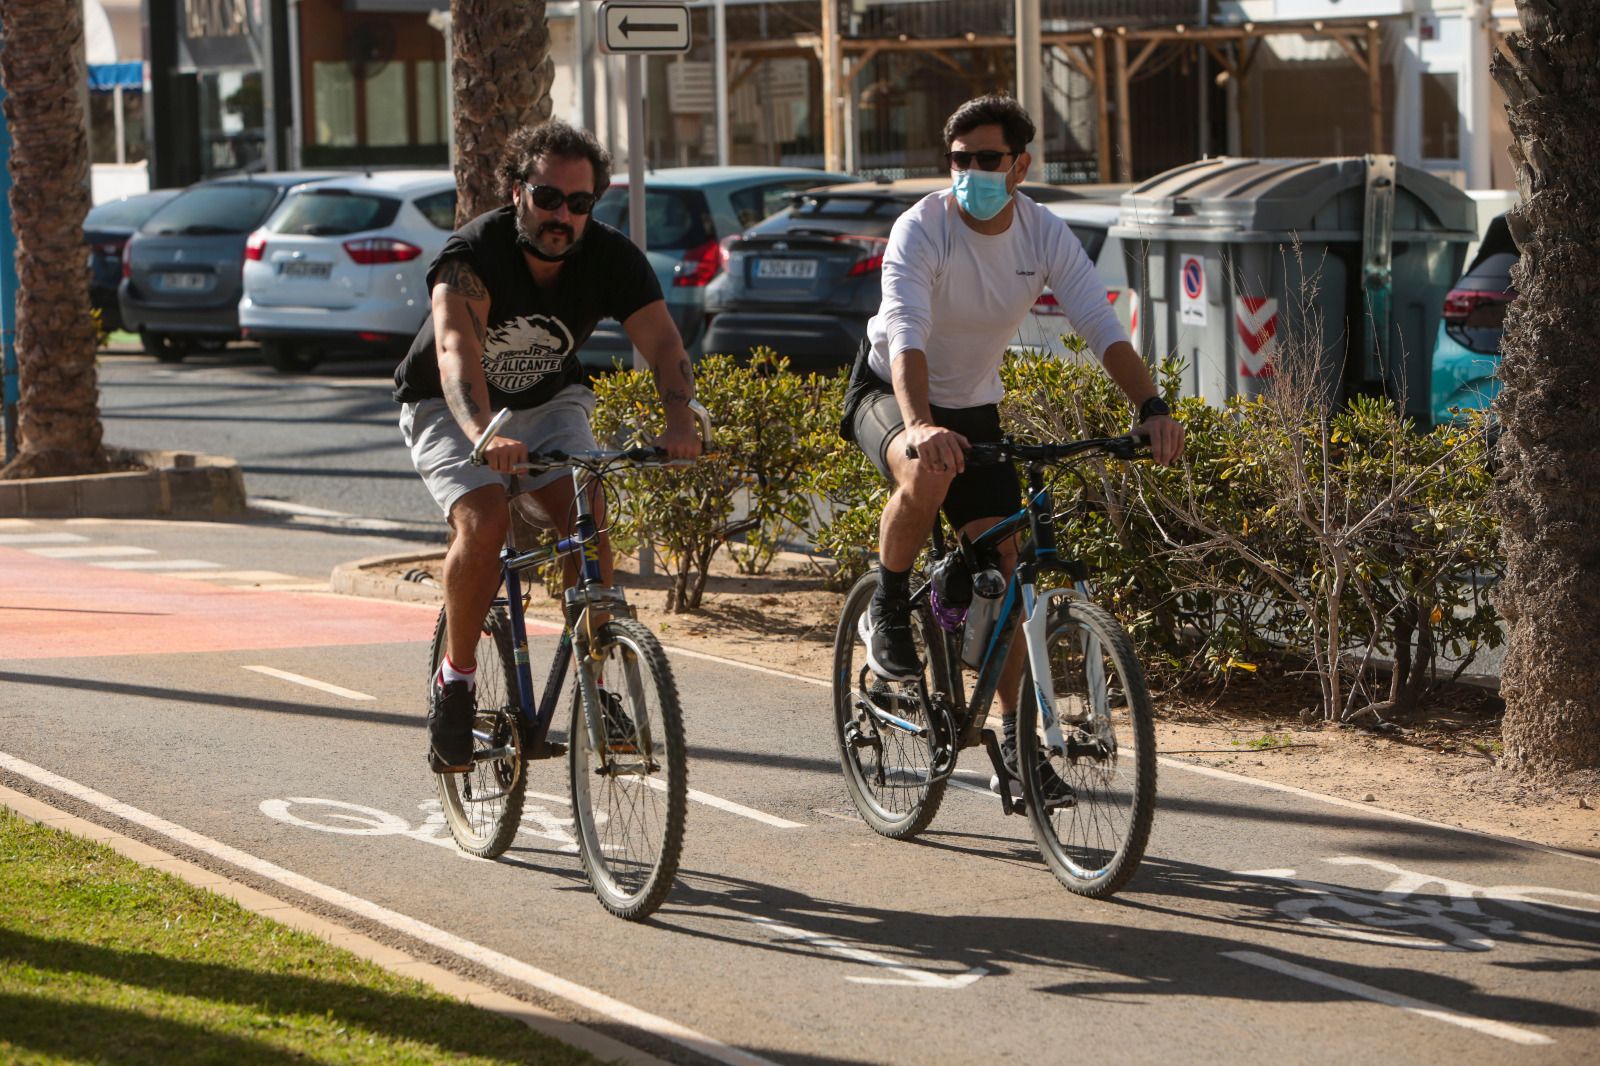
(531, 351)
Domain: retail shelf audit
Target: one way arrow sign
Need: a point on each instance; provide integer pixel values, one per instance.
(644, 29)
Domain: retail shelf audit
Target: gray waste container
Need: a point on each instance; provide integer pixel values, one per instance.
(1211, 252)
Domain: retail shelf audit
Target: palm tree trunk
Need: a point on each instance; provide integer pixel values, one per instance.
(1549, 407)
(58, 409)
(502, 76)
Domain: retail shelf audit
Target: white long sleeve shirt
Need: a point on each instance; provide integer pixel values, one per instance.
(959, 295)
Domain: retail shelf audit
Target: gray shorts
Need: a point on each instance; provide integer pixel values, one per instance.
(443, 456)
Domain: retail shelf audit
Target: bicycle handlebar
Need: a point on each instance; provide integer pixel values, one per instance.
(637, 455)
(1127, 446)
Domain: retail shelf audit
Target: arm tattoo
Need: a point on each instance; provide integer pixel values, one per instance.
(477, 327)
(671, 394)
(459, 278)
(458, 397)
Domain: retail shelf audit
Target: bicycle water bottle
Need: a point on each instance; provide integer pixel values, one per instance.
(987, 586)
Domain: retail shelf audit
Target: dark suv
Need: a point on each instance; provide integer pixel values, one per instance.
(180, 272)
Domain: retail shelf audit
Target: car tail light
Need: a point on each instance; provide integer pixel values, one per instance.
(871, 260)
(371, 251)
(700, 264)
(373, 338)
(255, 247)
(1047, 304)
(1459, 305)
(108, 247)
(127, 266)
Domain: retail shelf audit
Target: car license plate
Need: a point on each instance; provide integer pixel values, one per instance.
(786, 268)
(184, 282)
(297, 268)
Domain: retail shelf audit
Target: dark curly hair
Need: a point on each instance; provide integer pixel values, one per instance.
(996, 109)
(530, 144)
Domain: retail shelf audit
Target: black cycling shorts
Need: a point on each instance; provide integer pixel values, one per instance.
(991, 491)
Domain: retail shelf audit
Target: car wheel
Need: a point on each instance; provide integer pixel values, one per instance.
(290, 358)
(165, 348)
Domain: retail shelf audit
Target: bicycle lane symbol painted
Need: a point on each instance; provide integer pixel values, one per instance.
(341, 818)
(1429, 912)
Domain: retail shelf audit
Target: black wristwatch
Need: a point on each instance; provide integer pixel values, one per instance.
(1155, 405)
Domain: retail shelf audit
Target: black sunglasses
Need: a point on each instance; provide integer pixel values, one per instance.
(988, 159)
(548, 198)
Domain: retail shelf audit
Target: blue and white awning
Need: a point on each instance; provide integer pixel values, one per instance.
(104, 77)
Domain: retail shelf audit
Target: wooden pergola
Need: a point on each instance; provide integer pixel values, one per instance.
(1234, 48)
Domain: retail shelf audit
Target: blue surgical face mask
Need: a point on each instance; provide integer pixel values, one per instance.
(981, 193)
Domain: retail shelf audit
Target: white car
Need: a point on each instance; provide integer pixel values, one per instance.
(1091, 221)
(340, 266)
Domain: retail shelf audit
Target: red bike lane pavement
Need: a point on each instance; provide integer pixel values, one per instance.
(59, 609)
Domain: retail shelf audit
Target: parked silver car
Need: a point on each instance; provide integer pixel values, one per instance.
(180, 273)
(340, 266)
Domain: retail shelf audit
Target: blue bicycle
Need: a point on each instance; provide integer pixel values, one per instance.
(1084, 711)
(625, 745)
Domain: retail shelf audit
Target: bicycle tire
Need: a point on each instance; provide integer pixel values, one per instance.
(1108, 792)
(899, 808)
(483, 807)
(642, 773)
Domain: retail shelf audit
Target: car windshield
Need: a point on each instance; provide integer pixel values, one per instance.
(866, 216)
(333, 212)
(129, 213)
(675, 219)
(231, 207)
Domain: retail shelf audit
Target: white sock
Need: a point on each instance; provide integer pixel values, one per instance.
(449, 672)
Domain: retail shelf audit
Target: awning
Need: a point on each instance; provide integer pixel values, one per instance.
(104, 77)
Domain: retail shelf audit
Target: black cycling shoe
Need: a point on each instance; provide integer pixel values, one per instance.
(620, 737)
(455, 706)
(1057, 793)
(885, 628)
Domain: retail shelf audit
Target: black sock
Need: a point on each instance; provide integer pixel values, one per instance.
(893, 584)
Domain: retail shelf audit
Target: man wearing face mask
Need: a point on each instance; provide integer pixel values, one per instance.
(515, 292)
(962, 269)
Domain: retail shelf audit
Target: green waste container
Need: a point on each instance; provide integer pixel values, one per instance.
(1222, 282)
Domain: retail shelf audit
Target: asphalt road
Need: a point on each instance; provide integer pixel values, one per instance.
(1265, 925)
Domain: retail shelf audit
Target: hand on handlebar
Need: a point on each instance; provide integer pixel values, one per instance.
(944, 450)
(503, 454)
(680, 442)
(1165, 435)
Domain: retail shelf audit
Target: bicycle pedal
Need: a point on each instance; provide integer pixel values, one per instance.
(548, 749)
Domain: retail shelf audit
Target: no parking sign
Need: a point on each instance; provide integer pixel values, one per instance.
(1192, 289)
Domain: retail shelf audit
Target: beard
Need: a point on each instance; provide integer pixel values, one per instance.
(530, 243)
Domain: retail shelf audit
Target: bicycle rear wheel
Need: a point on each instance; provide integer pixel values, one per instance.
(888, 769)
(1093, 845)
(629, 790)
(483, 807)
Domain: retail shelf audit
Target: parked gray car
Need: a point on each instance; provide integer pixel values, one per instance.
(180, 273)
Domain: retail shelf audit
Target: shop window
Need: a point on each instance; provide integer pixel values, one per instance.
(430, 102)
(386, 106)
(1441, 116)
(334, 99)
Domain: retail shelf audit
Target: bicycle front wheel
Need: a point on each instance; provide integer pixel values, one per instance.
(629, 776)
(1094, 841)
(483, 807)
(888, 768)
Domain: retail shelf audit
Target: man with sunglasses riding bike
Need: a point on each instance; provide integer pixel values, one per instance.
(962, 269)
(515, 292)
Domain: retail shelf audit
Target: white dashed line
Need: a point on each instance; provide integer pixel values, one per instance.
(41, 538)
(1391, 999)
(160, 564)
(90, 551)
(311, 682)
(731, 807)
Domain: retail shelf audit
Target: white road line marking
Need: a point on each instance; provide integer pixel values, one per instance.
(731, 807)
(673, 649)
(285, 507)
(243, 575)
(1364, 808)
(160, 564)
(311, 682)
(16, 523)
(1390, 999)
(90, 551)
(908, 975)
(41, 538)
(505, 965)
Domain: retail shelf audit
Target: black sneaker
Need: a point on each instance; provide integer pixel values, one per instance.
(885, 628)
(620, 736)
(455, 706)
(1057, 793)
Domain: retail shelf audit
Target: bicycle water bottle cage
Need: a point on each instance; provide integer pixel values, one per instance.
(950, 590)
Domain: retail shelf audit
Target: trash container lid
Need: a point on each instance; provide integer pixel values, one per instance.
(1235, 200)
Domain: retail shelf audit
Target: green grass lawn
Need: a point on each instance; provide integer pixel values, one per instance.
(105, 960)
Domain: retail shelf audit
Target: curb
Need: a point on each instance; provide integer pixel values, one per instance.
(175, 484)
(392, 959)
(358, 578)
